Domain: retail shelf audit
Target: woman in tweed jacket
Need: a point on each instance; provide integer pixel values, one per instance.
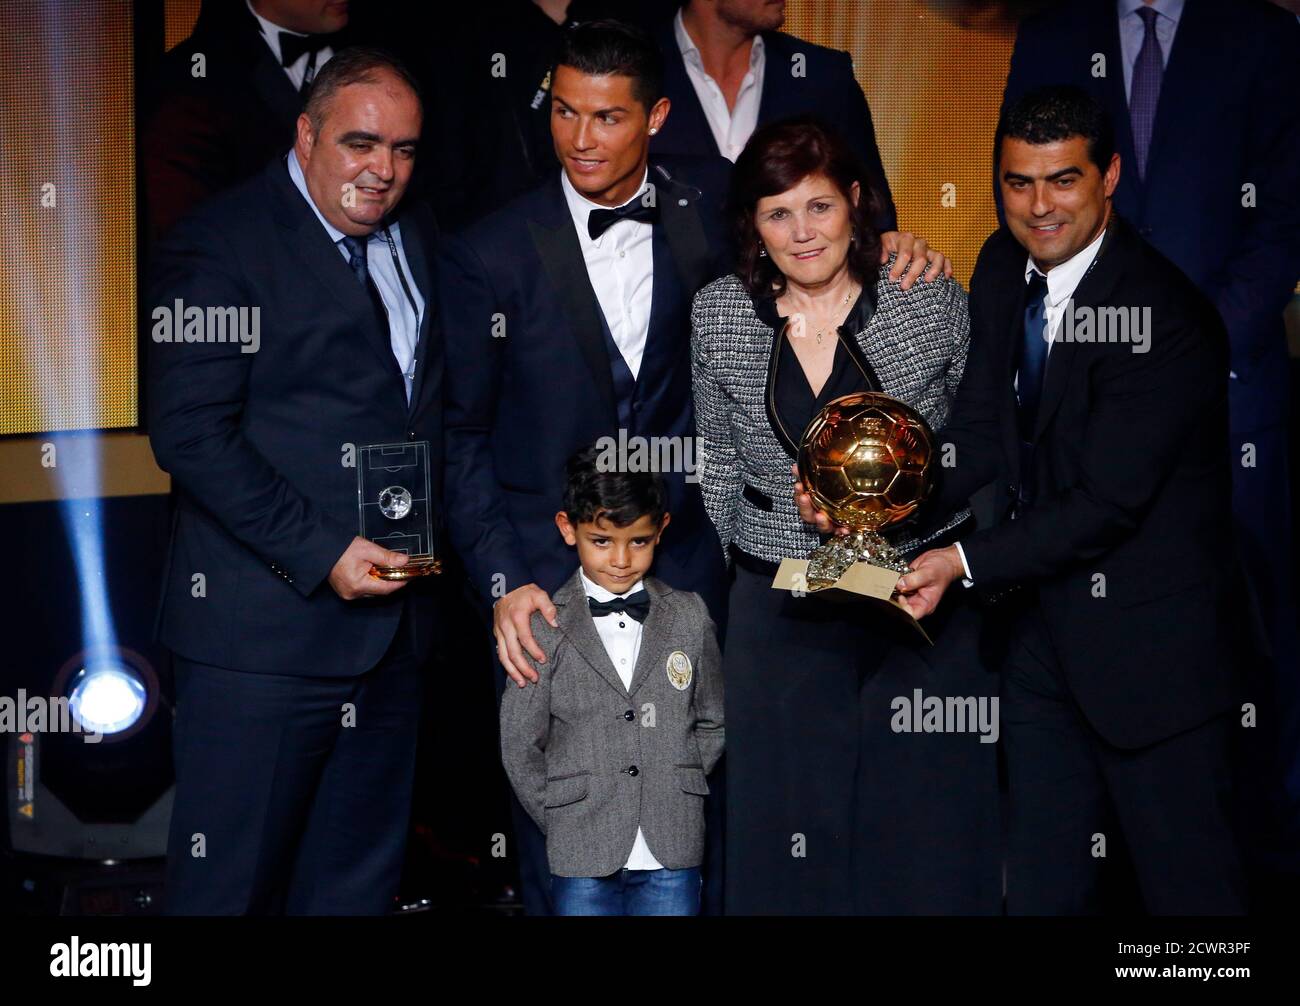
(831, 808)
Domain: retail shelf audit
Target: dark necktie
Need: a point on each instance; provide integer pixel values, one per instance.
(356, 249)
(599, 221)
(1144, 92)
(637, 605)
(1033, 354)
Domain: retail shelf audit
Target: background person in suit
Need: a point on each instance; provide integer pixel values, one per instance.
(729, 69)
(227, 98)
(297, 672)
(571, 307)
(1203, 95)
(1107, 451)
(622, 809)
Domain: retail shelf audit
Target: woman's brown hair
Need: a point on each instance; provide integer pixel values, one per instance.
(776, 159)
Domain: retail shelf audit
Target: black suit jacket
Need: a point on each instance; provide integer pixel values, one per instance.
(1126, 542)
(259, 444)
(529, 379)
(205, 134)
(1228, 115)
(827, 89)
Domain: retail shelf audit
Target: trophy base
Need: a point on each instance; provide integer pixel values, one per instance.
(829, 561)
(422, 566)
(861, 582)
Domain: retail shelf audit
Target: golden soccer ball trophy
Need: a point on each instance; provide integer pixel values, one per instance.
(866, 460)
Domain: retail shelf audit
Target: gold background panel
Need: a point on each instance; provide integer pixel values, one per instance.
(67, 292)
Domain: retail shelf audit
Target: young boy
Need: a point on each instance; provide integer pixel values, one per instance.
(608, 751)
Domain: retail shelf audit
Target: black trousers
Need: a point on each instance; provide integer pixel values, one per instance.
(830, 809)
(293, 793)
(1073, 797)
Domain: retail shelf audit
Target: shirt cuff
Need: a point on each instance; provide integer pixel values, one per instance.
(967, 580)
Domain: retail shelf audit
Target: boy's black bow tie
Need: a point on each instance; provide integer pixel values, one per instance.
(637, 605)
(599, 221)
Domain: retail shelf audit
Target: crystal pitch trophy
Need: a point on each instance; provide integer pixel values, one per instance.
(395, 506)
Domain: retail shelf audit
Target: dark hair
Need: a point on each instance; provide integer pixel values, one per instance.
(604, 47)
(1051, 114)
(778, 157)
(620, 497)
(358, 64)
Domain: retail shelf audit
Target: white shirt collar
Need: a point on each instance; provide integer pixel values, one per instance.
(1063, 279)
(691, 51)
(300, 182)
(595, 590)
(580, 206)
(1171, 9)
(271, 31)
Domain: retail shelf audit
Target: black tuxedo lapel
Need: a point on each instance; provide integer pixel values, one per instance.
(556, 242)
(322, 262)
(680, 267)
(680, 220)
(779, 99)
(266, 76)
(1092, 292)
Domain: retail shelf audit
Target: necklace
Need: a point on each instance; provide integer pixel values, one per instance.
(822, 330)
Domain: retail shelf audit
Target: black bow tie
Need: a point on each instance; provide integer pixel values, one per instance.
(636, 605)
(599, 221)
(293, 46)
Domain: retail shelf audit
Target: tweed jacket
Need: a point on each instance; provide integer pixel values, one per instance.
(591, 760)
(914, 341)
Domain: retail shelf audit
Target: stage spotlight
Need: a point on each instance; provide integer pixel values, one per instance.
(108, 698)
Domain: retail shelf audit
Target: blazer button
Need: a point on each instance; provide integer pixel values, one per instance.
(629, 716)
(634, 771)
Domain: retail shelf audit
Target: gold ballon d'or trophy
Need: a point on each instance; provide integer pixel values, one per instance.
(866, 460)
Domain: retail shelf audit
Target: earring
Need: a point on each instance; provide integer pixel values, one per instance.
(653, 131)
(762, 252)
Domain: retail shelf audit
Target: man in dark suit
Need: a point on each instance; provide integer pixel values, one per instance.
(1095, 400)
(226, 99)
(297, 670)
(1203, 95)
(729, 69)
(570, 314)
(566, 332)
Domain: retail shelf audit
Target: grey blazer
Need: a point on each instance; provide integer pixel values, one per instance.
(915, 341)
(591, 760)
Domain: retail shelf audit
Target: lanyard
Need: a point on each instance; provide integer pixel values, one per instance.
(401, 276)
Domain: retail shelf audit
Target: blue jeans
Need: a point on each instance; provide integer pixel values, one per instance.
(629, 892)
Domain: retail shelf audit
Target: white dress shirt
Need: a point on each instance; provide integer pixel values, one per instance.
(621, 267)
(1062, 281)
(731, 127)
(298, 68)
(1132, 31)
(621, 636)
(403, 319)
